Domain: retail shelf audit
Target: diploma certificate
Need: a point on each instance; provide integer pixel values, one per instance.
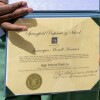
(54, 55)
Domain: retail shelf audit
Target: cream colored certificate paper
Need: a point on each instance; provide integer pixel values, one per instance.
(54, 55)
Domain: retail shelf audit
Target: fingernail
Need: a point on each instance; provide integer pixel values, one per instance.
(30, 10)
(22, 28)
(24, 3)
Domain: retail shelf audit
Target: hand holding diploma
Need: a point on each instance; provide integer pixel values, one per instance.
(9, 12)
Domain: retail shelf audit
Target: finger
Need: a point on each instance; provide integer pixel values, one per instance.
(17, 13)
(8, 8)
(2, 3)
(13, 27)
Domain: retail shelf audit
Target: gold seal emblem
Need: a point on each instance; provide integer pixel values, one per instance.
(34, 81)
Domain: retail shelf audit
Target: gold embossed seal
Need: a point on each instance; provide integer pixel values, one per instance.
(34, 81)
